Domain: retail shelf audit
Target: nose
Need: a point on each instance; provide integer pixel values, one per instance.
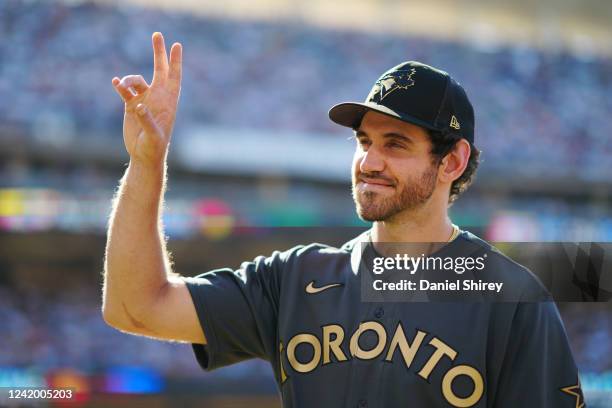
(371, 161)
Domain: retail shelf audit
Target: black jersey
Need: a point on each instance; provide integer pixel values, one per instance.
(302, 311)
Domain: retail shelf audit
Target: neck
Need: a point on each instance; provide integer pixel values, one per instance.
(429, 223)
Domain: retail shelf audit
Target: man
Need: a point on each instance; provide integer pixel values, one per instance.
(302, 309)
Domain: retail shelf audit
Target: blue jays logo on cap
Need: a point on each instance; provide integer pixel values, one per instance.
(400, 79)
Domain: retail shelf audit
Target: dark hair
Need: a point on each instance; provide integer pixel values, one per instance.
(442, 144)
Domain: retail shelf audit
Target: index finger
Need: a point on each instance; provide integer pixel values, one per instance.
(160, 59)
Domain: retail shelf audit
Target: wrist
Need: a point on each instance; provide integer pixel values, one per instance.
(142, 169)
(144, 182)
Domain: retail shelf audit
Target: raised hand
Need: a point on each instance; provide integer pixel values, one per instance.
(150, 110)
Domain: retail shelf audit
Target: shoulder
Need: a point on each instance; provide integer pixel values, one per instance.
(500, 266)
(314, 256)
(316, 250)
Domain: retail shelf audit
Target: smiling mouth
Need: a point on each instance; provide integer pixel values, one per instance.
(374, 182)
(374, 185)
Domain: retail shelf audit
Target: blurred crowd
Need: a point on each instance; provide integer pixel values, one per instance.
(589, 328)
(537, 111)
(47, 334)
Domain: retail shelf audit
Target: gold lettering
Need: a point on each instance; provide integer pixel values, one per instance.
(447, 389)
(333, 345)
(442, 349)
(376, 351)
(282, 370)
(316, 357)
(408, 351)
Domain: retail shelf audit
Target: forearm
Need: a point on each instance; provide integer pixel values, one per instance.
(136, 266)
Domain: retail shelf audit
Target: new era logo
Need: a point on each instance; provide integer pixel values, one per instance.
(455, 123)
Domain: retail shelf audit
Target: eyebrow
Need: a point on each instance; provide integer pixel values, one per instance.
(388, 135)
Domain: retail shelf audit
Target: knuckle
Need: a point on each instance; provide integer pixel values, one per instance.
(129, 79)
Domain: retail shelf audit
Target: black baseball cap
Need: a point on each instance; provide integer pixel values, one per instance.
(415, 93)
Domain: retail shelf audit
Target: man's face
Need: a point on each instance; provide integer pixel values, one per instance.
(393, 170)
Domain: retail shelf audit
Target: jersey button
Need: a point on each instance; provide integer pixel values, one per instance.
(379, 312)
(363, 402)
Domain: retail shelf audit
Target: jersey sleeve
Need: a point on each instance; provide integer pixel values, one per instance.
(238, 310)
(538, 369)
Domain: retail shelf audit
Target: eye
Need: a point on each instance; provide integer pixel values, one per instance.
(395, 145)
(363, 142)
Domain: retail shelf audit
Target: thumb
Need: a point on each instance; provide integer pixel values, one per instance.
(146, 120)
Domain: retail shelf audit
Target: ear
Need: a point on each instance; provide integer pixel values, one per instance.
(455, 162)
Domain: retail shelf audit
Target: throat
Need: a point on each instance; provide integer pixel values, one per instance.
(407, 231)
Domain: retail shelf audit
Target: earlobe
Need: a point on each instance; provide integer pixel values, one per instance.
(447, 168)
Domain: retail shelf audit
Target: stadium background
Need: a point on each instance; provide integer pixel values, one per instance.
(255, 165)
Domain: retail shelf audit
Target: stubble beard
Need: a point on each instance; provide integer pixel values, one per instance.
(372, 206)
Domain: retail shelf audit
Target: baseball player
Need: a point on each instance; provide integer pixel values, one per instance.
(302, 309)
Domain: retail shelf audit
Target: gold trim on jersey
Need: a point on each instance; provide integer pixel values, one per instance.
(455, 233)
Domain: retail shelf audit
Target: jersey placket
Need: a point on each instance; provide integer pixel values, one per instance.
(368, 368)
